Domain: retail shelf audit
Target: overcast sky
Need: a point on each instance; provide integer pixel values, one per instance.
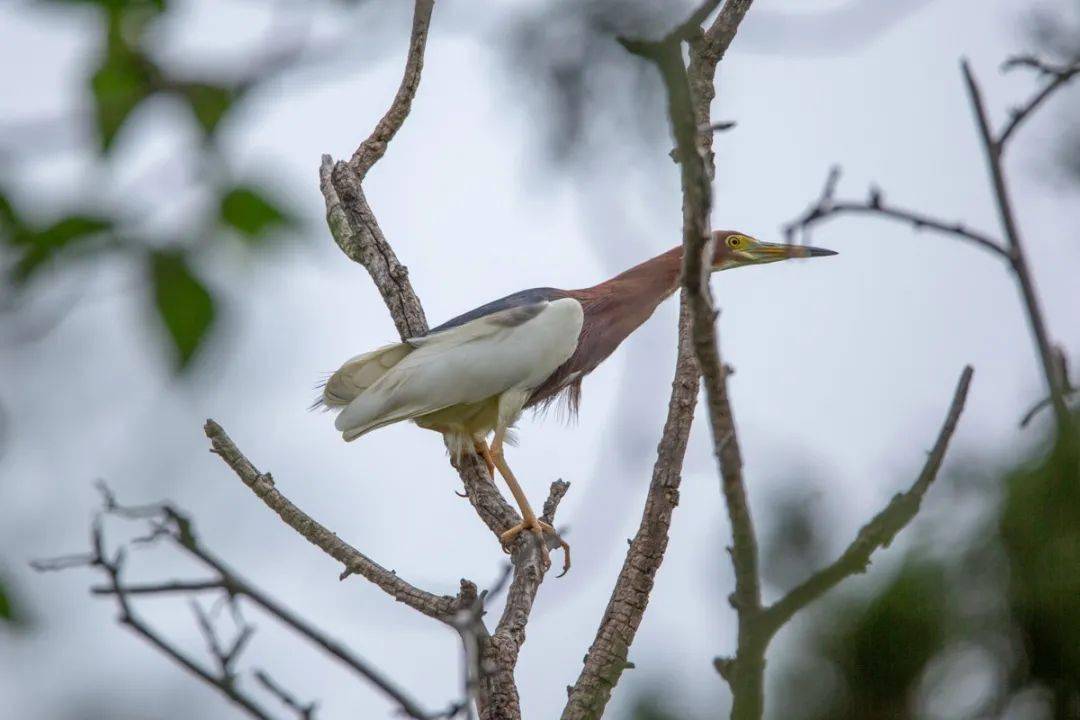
(844, 366)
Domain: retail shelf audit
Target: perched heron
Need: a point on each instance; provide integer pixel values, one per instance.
(475, 374)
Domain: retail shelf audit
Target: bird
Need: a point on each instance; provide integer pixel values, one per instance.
(473, 376)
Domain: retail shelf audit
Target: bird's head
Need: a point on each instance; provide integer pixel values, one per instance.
(733, 249)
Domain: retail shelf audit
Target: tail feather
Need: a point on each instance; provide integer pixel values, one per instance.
(358, 374)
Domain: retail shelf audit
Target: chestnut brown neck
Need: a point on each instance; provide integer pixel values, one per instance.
(653, 280)
(613, 309)
(616, 307)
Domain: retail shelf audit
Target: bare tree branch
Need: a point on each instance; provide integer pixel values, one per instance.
(747, 681)
(827, 205)
(1012, 248)
(1059, 75)
(609, 652)
(374, 147)
(706, 52)
(756, 625)
(608, 655)
(880, 531)
(357, 233)
(165, 588)
(1018, 257)
(167, 522)
(262, 484)
(113, 569)
(1067, 384)
(303, 712)
(226, 658)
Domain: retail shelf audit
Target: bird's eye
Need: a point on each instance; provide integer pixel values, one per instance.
(734, 241)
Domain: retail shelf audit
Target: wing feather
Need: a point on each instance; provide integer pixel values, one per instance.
(361, 372)
(514, 348)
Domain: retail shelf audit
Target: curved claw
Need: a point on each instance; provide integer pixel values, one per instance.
(540, 529)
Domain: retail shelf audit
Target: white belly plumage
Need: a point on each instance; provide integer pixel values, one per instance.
(498, 357)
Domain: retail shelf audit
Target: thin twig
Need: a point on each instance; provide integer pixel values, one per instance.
(165, 588)
(880, 531)
(357, 233)
(1070, 390)
(372, 149)
(226, 658)
(113, 569)
(1018, 257)
(439, 607)
(608, 655)
(303, 712)
(827, 206)
(1059, 75)
(169, 523)
(1012, 248)
(747, 683)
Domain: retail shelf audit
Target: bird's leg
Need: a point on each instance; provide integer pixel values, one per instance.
(484, 452)
(529, 520)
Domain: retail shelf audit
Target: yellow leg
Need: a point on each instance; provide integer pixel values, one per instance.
(484, 452)
(529, 520)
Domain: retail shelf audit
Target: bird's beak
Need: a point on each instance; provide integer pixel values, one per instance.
(771, 252)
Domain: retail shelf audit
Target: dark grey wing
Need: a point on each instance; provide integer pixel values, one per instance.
(525, 299)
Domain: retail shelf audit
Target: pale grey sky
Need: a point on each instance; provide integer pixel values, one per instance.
(844, 366)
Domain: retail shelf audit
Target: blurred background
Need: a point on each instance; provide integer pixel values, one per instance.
(165, 260)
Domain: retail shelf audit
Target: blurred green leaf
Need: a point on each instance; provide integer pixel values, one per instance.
(869, 652)
(897, 634)
(123, 80)
(115, 5)
(1040, 531)
(183, 304)
(39, 247)
(246, 210)
(650, 706)
(9, 221)
(7, 611)
(209, 103)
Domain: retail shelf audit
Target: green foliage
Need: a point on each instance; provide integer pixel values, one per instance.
(1016, 575)
(7, 614)
(183, 304)
(9, 221)
(12, 613)
(650, 707)
(125, 76)
(1040, 533)
(209, 103)
(889, 641)
(35, 248)
(114, 6)
(866, 653)
(246, 210)
(123, 80)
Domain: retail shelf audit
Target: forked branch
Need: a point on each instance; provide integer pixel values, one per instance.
(167, 523)
(1057, 76)
(358, 234)
(756, 625)
(440, 607)
(827, 205)
(1011, 248)
(747, 671)
(880, 531)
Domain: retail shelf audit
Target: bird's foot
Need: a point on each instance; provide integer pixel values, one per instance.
(543, 532)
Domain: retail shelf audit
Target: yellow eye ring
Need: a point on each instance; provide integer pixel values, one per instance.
(734, 241)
